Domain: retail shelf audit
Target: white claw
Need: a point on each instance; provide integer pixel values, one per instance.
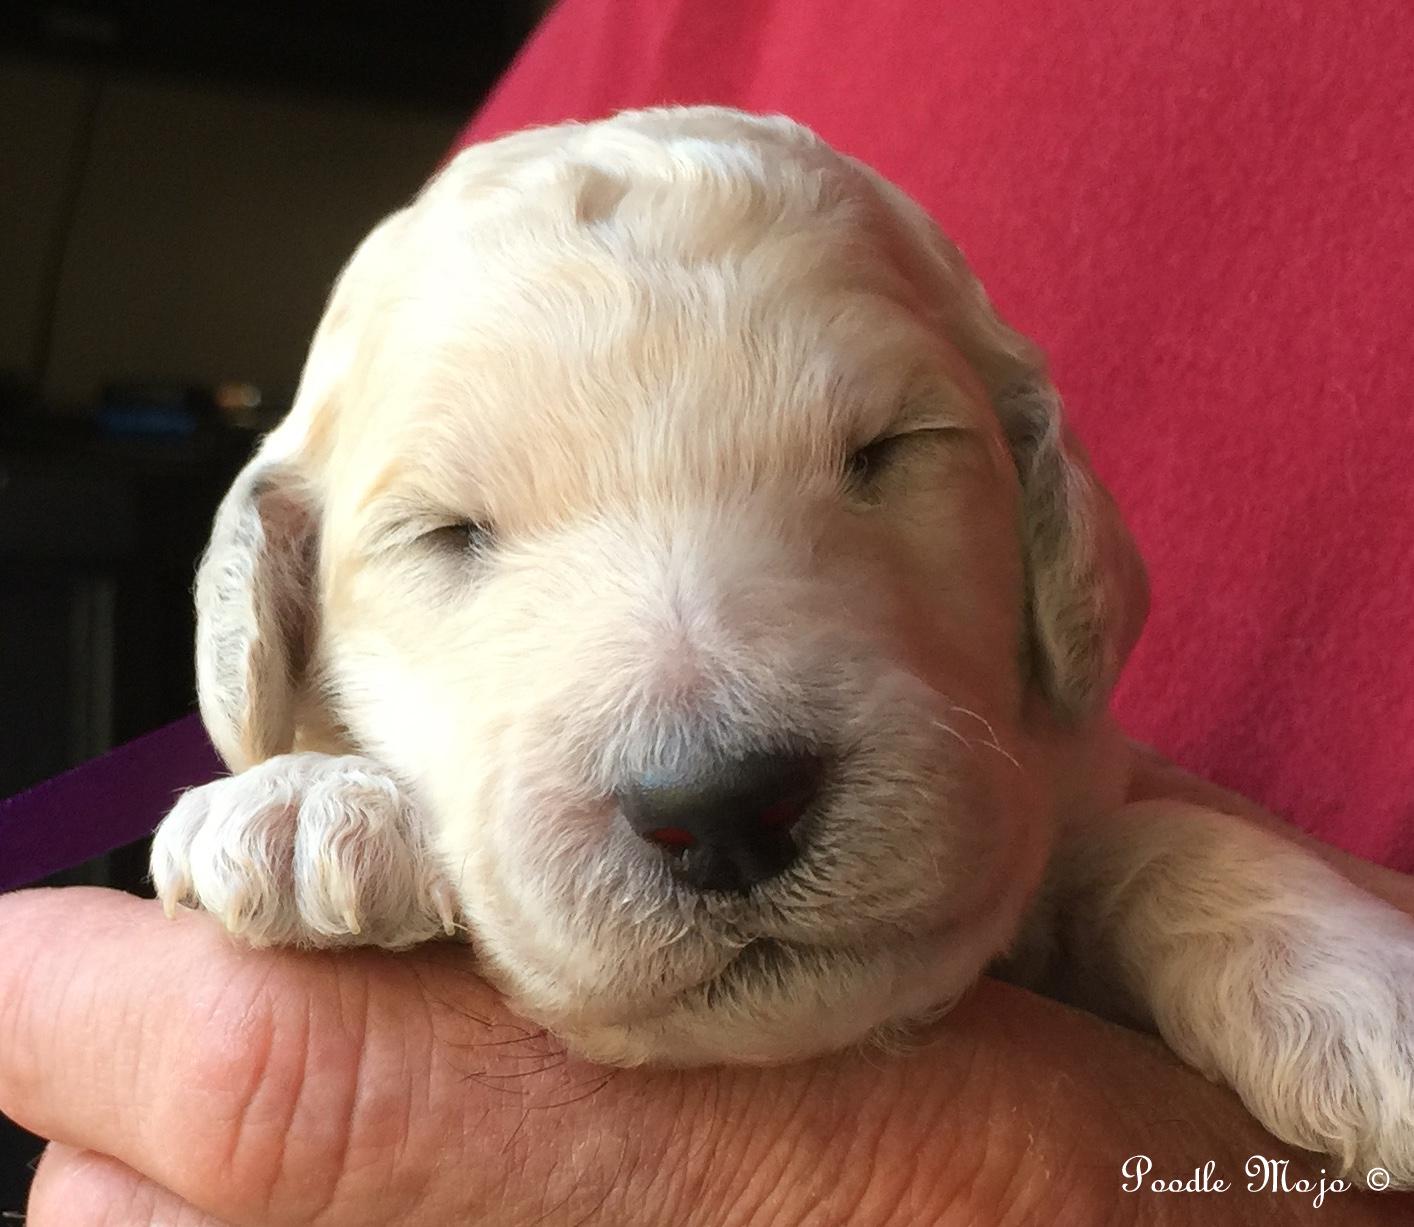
(446, 909)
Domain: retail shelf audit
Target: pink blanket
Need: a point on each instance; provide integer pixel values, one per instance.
(1205, 212)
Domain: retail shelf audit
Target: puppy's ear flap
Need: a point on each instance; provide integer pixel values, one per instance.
(256, 614)
(1087, 591)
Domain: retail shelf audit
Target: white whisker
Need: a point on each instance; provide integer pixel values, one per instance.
(992, 743)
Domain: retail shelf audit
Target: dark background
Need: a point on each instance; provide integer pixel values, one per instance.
(182, 182)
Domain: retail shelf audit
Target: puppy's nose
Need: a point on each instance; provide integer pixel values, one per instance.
(729, 825)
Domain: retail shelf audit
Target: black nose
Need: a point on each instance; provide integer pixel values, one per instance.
(728, 824)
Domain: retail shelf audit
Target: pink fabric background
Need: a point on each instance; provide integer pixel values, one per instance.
(1205, 212)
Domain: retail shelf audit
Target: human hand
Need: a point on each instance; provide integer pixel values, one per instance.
(189, 1081)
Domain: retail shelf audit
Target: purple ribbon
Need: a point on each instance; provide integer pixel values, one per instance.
(101, 805)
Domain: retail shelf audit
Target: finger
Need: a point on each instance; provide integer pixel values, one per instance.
(80, 1188)
(248, 1082)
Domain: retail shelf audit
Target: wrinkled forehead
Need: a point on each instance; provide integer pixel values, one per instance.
(638, 328)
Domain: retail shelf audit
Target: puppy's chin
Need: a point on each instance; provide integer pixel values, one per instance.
(777, 1002)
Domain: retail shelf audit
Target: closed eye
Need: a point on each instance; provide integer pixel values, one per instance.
(458, 536)
(865, 466)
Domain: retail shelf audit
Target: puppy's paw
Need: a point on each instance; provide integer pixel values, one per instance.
(1316, 1034)
(305, 850)
(1343, 1078)
(1261, 966)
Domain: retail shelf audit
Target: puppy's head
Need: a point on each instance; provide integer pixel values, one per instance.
(664, 502)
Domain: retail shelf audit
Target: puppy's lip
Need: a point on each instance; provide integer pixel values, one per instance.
(757, 957)
(760, 958)
(766, 954)
(791, 959)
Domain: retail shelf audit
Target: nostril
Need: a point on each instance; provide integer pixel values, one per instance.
(675, 839)
(799, 786)
(785, 814)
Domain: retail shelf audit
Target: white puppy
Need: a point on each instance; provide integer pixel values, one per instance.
(673, 575)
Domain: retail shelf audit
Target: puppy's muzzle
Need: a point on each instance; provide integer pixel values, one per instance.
(728, 823)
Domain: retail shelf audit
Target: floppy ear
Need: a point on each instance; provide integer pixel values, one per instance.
(255, 614)
(1087, 591)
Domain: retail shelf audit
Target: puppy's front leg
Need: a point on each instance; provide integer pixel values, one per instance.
(305, 850)
(1258, 964)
